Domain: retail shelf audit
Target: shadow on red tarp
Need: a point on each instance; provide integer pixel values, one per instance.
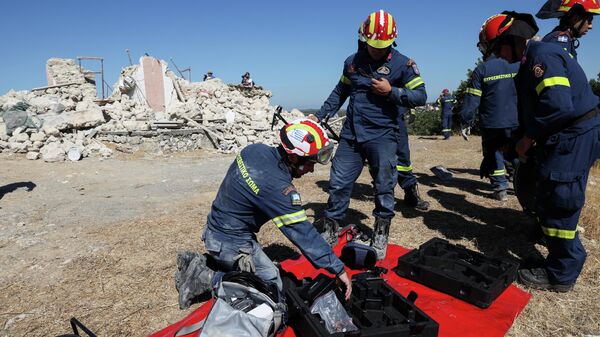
(455, 317)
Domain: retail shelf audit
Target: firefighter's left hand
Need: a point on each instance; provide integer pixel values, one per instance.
(380, 86)
(523, 146)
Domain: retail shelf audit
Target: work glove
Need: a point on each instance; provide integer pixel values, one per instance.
(465, 131)
(245, 262)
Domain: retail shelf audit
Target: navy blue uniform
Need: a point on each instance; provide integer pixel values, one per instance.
(446, 104)
(258, 188)
(554, 94)
(406, 178)
(561, 36)
(492, 90)
(370, 131)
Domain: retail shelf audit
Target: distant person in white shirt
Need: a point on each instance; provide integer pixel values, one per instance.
(247, 81)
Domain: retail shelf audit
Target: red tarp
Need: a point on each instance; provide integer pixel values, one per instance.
(455, 317)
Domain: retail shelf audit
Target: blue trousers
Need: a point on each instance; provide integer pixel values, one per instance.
(447, 125)
(563, 176)
(492, 140)
(406, 178)
(224, 252)
(347, 166)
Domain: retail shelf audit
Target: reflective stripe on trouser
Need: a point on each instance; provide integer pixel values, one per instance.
(406, 178)
(347, 165)
(560, 198)
(446, 125)
(491, 141)
(224, 251)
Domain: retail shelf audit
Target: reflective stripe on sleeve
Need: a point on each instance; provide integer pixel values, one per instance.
(552, 81)
(415, 82)
(401, 168)
(288, 219)
(345, 80)
(473, 91)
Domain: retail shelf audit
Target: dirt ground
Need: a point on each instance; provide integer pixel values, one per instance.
(98, 239)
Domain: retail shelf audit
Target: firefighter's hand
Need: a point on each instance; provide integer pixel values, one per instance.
(313, 118)
(346, 281)
(523, 146)
(380, 86)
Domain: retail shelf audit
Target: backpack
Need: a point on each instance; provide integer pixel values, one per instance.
(244, 307)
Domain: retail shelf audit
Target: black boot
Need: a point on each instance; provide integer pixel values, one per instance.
(329, 231)
(381, 232)
(537, 278)
(412, 198)
(194, 281)
(183, 261)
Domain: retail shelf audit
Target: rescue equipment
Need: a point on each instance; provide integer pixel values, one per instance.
(458, 271)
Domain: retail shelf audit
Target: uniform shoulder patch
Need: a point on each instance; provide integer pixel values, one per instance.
(286, 191)
(563, 38)
(411, 63)
(538, 70)
(296, 199)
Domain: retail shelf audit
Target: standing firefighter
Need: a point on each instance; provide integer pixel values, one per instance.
(560, 115)
(258, 188)
(380, 83)
(406, 178)
(446, 103)
(491, 89)
(576, 18)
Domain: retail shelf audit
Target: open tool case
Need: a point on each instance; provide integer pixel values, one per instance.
(375, 308)
(457, 271)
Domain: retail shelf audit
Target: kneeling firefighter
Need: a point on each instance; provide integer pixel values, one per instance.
(258, 188)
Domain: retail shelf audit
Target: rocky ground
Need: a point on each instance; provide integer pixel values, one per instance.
(97, 239)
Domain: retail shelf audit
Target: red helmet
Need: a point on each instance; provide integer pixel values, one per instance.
(559, 8)
(589, 6)
(508, 24)
(445, 91)
(306, 139)
(379, 29)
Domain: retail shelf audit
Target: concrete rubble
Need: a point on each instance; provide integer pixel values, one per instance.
(149, 107)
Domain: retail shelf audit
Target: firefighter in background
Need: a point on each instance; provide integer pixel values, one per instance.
(576, 18)
(491, 90)
(446, 103)
(560, 115)
(380, 82)
(406, 178)
(257, 189)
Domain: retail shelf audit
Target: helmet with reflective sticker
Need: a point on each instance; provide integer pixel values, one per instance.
(379, 29)
(508, 24)
(588, 6)
(307, 139)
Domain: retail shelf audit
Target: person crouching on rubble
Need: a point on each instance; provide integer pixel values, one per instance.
(258, 188)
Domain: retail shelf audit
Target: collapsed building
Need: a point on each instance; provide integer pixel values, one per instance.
(149, 106)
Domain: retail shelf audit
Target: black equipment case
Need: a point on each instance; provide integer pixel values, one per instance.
(458, 271)
(376, 309)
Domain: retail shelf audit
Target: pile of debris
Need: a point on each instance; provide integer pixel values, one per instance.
(149, 105)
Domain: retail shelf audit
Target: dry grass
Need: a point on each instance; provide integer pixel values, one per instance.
(590, 217)
(120, 280)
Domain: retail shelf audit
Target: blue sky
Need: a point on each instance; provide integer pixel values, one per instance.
(294, 48)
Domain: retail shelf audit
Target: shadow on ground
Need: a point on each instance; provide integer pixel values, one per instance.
(278, 252)
(9, 188)
(475, 187)
(497, 232)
